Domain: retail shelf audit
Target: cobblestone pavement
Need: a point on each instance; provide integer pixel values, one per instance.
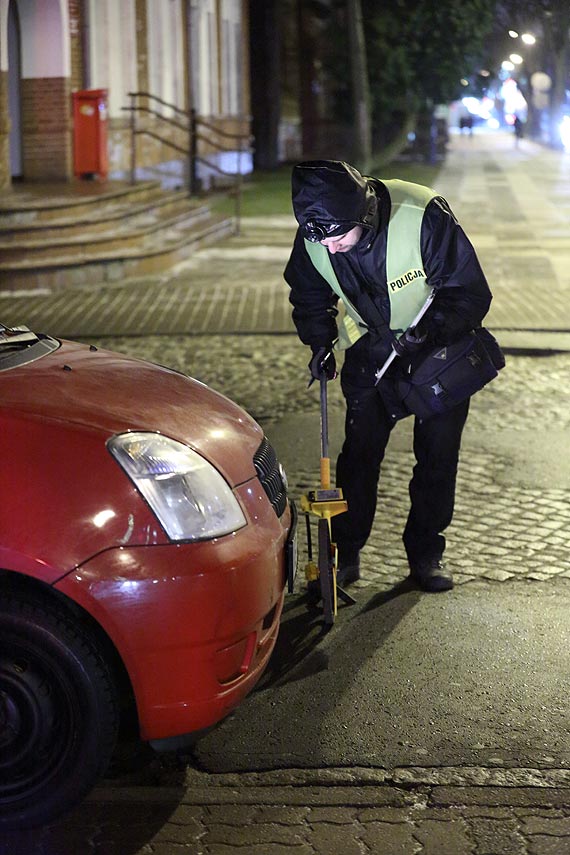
(267, 375)
(313, 820)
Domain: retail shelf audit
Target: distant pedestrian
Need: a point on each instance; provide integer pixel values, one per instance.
(466, 123)
(519, 130)
(378, 247)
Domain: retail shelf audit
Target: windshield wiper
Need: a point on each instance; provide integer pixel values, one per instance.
(16, 336)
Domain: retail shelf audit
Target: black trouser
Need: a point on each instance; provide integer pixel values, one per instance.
(432, 488)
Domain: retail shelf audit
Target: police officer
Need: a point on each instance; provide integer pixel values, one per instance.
(374, 249)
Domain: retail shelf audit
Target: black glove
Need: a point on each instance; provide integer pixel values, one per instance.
(322, 362)
(409, 342)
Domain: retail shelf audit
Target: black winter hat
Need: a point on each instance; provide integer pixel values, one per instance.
(331, 192)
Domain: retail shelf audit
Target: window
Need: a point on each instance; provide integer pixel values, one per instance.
(204, 57)
(112, 50)
(165, 51)
(232, 83)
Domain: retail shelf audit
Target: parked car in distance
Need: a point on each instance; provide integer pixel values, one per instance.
(145, 531)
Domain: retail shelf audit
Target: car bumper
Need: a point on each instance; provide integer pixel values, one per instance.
(194, 623)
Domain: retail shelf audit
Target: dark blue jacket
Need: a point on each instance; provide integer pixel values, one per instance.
(451, 266)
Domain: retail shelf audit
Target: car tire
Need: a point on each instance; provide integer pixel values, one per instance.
(58, 711)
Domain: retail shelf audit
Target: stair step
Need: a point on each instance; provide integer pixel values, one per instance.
(157, 252)
(65, 201)
(83, 233)
(107, 215)
(126, 234)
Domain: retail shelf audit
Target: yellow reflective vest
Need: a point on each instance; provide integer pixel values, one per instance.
(406, 278)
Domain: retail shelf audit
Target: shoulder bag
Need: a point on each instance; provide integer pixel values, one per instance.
(445, 376)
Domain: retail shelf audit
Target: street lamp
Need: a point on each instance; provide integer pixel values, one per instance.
(516, 71)
(527, 38)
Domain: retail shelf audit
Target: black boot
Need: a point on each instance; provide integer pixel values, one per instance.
(348, 567)
(431, 575)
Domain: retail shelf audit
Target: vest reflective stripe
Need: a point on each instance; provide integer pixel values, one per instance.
(351, 326)
(407, 286)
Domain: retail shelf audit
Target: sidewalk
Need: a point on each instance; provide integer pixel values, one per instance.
(513, 203)
(312, 820)
(515, 206)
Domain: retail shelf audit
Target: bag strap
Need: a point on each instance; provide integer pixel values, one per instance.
(353, 322)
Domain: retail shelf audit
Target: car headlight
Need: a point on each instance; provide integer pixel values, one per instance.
(189, 497)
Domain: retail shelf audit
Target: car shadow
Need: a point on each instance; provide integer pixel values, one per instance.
(104, 823)
(114, 819)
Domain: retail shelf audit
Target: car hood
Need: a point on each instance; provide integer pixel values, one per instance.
(112, 393)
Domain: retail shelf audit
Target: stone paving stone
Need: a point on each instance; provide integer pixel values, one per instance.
(497, 575)
(389, 838)
(334, 816)
(174, 833)
(285, 815)
(253, 834)
(165, 849)
(258, 849)
(308, 796)
(556, 826)
(482, 811)
(496, 796)
(231, 814)
(186, 815)
(333, 837)
(440, 837)
(497, 837)
(387, 814)
(546, 845)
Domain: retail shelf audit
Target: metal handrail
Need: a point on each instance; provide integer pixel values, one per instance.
(194, 123)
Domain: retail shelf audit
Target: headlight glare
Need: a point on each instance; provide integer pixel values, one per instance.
(188, 495)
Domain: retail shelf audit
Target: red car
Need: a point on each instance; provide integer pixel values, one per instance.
(145, 542)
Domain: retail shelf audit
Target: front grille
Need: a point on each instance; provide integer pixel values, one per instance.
(267, 468)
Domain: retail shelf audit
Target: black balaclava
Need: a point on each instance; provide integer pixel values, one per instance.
(331, 193)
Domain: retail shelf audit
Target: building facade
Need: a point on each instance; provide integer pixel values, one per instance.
(189, 55)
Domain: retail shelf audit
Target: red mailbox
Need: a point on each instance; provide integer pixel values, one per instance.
(90, 133)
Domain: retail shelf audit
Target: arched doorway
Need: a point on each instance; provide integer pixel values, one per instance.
(14, 91)
(36, 96)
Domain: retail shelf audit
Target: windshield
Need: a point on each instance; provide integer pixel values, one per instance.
(19, 345)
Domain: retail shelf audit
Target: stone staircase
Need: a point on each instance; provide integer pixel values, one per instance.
(82, 234)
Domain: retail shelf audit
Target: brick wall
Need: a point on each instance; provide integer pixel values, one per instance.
(5, 179)
(46, 128)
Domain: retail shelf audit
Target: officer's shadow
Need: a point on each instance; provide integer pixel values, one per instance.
(300, 648)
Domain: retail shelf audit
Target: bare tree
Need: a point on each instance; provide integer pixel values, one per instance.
(360, 86)
(265, 81)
